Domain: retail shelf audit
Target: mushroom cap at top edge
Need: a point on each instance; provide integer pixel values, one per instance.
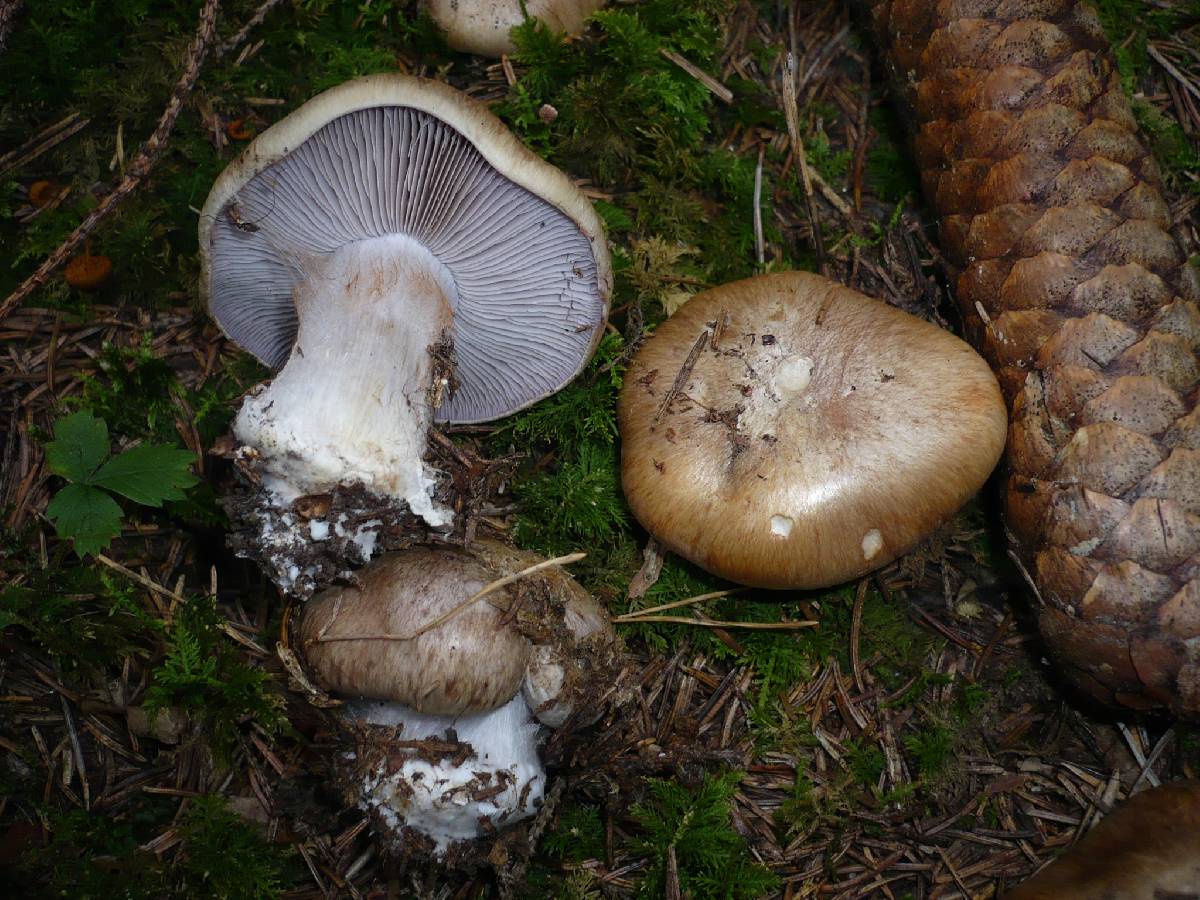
(483, 26)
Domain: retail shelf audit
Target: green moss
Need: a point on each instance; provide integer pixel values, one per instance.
(577, 836)
(224, 857)
(629, 117)
(204, 675)
(578, 504)
(889, 171)
(81, 617)
(931, 748)
(712, 859)
(1174, 150)
(95, 857)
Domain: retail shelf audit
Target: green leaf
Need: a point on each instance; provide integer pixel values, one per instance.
(80, 444)
(149, 474)
(87, 516)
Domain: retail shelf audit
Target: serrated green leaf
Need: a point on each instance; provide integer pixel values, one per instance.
(85, 515)
(149, 474)
(80, 444)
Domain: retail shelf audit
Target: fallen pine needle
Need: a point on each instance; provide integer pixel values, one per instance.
(675, 604)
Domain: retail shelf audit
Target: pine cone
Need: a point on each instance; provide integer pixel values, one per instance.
(1072, 285)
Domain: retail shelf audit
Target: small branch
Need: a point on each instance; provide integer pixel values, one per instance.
(685, 372)
(138, 168)
(856, 618)
(760, 246)
(451, 613)
(1173, 71)
(713, 623)
(140, 579)
(798, 155)
(44, 140)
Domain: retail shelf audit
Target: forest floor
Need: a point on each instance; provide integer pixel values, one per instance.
(152, 742)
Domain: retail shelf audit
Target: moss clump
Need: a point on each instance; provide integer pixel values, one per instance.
(202, 674)
(83, 618)
(94, 857)
(694, 826)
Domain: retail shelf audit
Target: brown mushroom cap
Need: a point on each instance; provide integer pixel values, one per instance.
(87, 272)
(483, 26)
(788, 432)
(471, 663)
(1148, 847)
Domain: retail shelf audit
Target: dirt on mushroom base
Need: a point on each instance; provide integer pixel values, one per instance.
(321, 538)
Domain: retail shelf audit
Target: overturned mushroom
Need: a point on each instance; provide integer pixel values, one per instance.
(464, 652)
(404, 259)
(785, 431)
(483, 26)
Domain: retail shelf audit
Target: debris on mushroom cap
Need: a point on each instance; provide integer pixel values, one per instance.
(470, 663)
(405, 259)
(563, 667)
(1147, 848)
(483, 26)
(786, 431)
(448, 778)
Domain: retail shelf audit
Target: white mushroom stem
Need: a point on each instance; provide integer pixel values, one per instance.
(351, 404)
(501, 783)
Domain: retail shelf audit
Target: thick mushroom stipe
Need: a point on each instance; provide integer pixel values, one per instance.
(451, 776)
(356, 385)
(482, 26)
(787, 432)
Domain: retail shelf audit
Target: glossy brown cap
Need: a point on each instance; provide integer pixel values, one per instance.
(788, 432)
(1148, 848)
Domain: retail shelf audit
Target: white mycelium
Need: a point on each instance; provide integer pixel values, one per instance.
(440, 799)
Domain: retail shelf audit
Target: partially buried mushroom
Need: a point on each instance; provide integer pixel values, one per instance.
(483, 26)
(788, 432)
(449, 684)
(403, 258)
